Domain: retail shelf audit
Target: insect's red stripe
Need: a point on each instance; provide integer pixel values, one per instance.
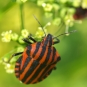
(42, 53)
(38, 53)
(17, 64)
(31, 51)
(54, 53)
(28, 59)
(48, 56)
(50, 59)
(16, 69)
(24, 56)
(16, 74)
(31, 69)
(56, 59)
(42, 66)
(43, 48)
(39, 74)
(36, 47)
(44, 56)
(26, 69)
(45, 76)
(30, 76)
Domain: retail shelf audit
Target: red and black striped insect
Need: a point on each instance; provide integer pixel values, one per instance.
(38, 59)
(80, 13)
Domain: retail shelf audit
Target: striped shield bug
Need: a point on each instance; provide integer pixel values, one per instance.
(37, 60)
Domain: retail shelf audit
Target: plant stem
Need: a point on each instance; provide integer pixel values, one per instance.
(21, 16)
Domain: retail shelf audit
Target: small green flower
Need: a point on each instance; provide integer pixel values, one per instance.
(9, 68)
(24, 33)
(40, 33)
(20, 49)
(6, 36)
(63, 12)
(14, 36)
(57, 21)
(40, 2)
(20, 39)
(56, 6)
(68, 20)
(76, 3)
(48, 7)
(43, 4)
(71, 10)
(5, 59)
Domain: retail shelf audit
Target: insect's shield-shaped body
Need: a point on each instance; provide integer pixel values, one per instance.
(37, 61)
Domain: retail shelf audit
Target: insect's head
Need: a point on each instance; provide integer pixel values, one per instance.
(48, 40)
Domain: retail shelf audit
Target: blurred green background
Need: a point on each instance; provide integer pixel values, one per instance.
(71, 70)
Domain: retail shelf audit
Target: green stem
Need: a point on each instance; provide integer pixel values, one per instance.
(21, 16)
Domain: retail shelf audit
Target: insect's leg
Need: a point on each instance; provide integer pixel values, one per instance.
(13, 56)
(57, 41)
(25, 40)
(54, 68)
(31, 38)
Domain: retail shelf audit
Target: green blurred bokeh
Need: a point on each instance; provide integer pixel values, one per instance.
(71, 70)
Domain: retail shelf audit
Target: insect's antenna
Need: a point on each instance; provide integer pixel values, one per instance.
(40, 24)
(65, 33)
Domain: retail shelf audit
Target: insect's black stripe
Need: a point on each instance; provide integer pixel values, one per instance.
(46, 69)
(43, 49)
(46, 42)
(27, 61)
(19, 60)
(16, 71)
(54, 52)
(36, 73)
(17, 65)
(48, 56)
(42, 53)
(41, 78)
(29, 72)
(28, 50)
(37, 48)
(59, 58)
